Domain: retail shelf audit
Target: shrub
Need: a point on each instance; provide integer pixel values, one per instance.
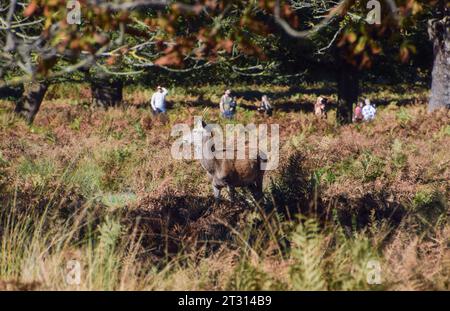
(403, 116)
(87, 176)
(399, 158)
(307, 255)
(429, 208)
(38, 172)
(113, 163)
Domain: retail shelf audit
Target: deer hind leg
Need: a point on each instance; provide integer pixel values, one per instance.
(257, 189)
(232, 192)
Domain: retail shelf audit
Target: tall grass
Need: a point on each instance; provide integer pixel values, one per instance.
(35, 250)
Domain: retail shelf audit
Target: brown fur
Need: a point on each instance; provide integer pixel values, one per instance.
(233, 173)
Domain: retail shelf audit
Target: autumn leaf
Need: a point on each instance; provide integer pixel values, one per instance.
(31, 8)
(375, 48)
(46, 64)
(405, 51)
(75, 44)
(366, 61)
(361, 45)
(267, 5)
(351, 37)
(111, 60)
(227, 45)
(404, 54)
(173, 58)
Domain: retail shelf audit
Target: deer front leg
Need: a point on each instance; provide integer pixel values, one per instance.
(216, 191)
(232, 192)
(257, 190)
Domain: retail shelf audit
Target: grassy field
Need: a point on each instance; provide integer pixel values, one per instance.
(100, 187)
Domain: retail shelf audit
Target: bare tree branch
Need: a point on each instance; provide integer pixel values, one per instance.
(338, 9)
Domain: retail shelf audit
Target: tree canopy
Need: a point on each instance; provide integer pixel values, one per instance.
(56, 39)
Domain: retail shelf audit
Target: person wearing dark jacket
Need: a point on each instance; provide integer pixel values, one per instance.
(227, 105)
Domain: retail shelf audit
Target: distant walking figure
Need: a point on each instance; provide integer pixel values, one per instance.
(320, 107)
(265, 106)
(368, 111)
(227, 105)
(158, 101)
(358, 116)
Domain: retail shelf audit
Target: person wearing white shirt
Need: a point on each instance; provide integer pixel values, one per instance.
(368, 111)
(158, 101)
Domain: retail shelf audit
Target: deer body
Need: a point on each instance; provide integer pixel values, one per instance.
(231, 173)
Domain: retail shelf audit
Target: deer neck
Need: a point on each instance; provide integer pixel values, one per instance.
(208, 160)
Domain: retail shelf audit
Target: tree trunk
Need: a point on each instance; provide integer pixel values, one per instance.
(439, 31)
(106, 94)
(348, 91)
(33, 95)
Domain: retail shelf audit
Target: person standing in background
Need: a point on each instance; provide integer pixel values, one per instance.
(320, 107)
(368, 111)
(158, 101)
(265, 106)
(358, 116)
(227, 105)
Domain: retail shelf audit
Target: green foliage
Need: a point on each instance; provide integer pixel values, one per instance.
(366, 167)
(139, 130)
(76, 123)
(241, 46)
(88, 177)
(324, 174)
(371, 165)
(403, 116)
(113, 162)
(109, 232)
(423, 198)
(248, 277)
(3, 165)
(446, 130)
(107, 256)
(293, 185)
(3, 161)
(307, 255)
(7, 119)
(429, 208)
(399, 158)
(347, 265)
(38, 172)
(118, 200)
